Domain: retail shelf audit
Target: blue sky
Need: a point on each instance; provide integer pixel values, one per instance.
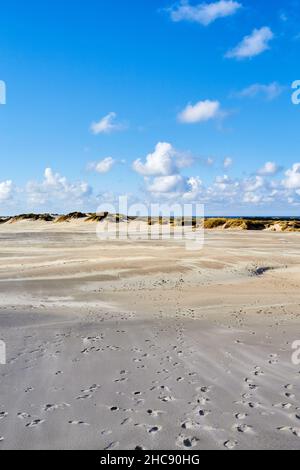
(201, 89)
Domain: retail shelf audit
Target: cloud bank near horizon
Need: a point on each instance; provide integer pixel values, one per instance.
(164, 178)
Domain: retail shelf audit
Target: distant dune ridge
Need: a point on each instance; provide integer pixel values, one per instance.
(209, 223)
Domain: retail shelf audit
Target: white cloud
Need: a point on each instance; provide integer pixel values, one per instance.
(228, 162)
(292, 180)
(270, 168)
(55, 189)
(166, 184)
(194, 185)
(161, 171)
(253, 184)
(200, 112)
(159, 163)
(252, 45)
(6, 188)
(104, 166)
(271, 91)
(106, 125)
(204, 13)
(252, 198)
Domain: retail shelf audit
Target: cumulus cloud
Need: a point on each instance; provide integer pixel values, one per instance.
(200, 112)
(56, 188)
(292, 180)
(166, 184)
(161, 171)
(253, 184)
(6, 189)
(252, 45)
(269, 168)
(252, 198)
(106, 125)
(270, 92)
(104, 166)
(203, 13)
(164, 161)
(194, 189)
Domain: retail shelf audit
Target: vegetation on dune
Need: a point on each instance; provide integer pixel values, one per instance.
(173, 221)
(214, 223)
(221, 223)
(292, 226)
(118, 218)
(252, 224)
(96, 217)
(245, 224)
(71, 216)
(32, 217)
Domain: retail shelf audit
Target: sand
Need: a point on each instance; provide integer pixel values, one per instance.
(142, 344)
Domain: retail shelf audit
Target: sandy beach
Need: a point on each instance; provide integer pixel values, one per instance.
(144, 345)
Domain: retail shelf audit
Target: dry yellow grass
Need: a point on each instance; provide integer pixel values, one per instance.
(31, 217)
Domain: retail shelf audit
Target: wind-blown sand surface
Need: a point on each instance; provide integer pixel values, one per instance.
(124, 345)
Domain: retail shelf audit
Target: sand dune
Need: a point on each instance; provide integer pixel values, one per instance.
(124, 345)
(76, 219)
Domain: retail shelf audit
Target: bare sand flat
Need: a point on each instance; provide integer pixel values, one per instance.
(124, 345)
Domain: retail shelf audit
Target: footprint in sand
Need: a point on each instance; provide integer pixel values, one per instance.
(112, 445)
(156, 413)
(190, 425)
(289, 387)
(166, 398)
(34, 423)
(244, 428)
(253, 405)
(154, 429)
(203, 413)
(84, 397)
(294, 431)
(203, 389)
(186, 442)
(91, 389)
(78, 423)
(258, 372)
(246, 396)
(3, 414)
(105, 433)
(284, 406)
(122, 380)
(203, 401)
(114, 408)
(126, 421)
(1, 438)
(23, 416)
(284, 429)
(61, 406)
(230, 444)
(241, 416)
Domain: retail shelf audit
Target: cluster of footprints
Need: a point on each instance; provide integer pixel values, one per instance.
(172, 380)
